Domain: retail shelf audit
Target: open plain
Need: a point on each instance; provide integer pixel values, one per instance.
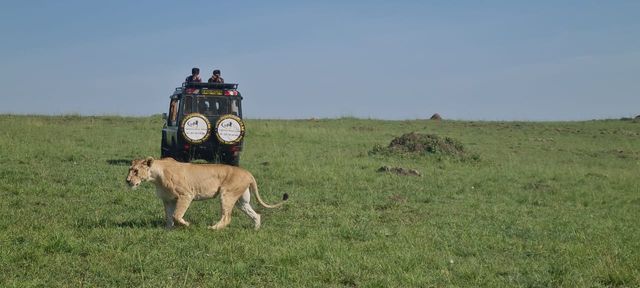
(540, 204)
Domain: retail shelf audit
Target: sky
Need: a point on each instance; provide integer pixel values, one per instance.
(466, 60)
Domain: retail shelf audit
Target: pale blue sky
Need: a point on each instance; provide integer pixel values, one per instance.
(474, 60)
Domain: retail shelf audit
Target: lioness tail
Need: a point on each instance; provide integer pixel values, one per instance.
(253, 187)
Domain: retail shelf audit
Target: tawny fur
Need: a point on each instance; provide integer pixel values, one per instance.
(177, 184)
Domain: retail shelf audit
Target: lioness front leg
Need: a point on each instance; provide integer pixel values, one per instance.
(181, 207)
(169, 208)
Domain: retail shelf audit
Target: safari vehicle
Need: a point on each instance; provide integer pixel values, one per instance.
(204, 122)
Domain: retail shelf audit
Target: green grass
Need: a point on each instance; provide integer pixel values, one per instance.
(546, 205)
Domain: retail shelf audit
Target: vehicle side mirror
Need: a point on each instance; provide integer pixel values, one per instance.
(164, 116)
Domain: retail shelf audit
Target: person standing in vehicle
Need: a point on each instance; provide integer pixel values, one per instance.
(195, 76)
(215, 78)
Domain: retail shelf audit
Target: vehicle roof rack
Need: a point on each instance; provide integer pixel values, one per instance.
(197, 85)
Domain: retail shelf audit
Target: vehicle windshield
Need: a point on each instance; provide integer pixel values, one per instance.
(210, 105)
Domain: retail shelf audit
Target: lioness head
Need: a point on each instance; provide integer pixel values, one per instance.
(139, 171)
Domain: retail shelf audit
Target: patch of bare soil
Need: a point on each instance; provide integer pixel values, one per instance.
(400, 171)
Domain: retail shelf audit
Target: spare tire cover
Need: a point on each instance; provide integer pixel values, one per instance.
(196, 128)
(229, 129)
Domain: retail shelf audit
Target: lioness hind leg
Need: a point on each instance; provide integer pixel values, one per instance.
(226, 203)
(245, 206)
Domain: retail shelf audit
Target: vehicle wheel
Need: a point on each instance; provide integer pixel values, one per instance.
(164, 150)
(164, 153)
(229, 159)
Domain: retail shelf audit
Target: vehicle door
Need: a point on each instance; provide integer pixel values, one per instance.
(170, 131)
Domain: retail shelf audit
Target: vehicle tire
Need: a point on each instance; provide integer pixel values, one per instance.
(229, 159)
(164, 150)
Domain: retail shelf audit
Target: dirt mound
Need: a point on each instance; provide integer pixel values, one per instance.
(436, 117)
(426, 143)
(413, 143)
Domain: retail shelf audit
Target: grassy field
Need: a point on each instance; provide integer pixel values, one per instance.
(544, 205)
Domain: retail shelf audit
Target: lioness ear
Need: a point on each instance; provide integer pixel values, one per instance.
(148, 161)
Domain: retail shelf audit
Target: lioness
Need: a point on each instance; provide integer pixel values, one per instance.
(177, 184)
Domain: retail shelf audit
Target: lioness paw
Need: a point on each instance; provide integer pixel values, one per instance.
(182, 222)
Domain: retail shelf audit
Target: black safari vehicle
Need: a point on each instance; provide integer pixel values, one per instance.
(204, 122)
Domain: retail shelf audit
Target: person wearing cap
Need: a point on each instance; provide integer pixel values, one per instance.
(194, 77)
(215, 78)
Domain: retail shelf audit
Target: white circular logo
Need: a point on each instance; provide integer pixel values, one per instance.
(196, 128)
(229, 129)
